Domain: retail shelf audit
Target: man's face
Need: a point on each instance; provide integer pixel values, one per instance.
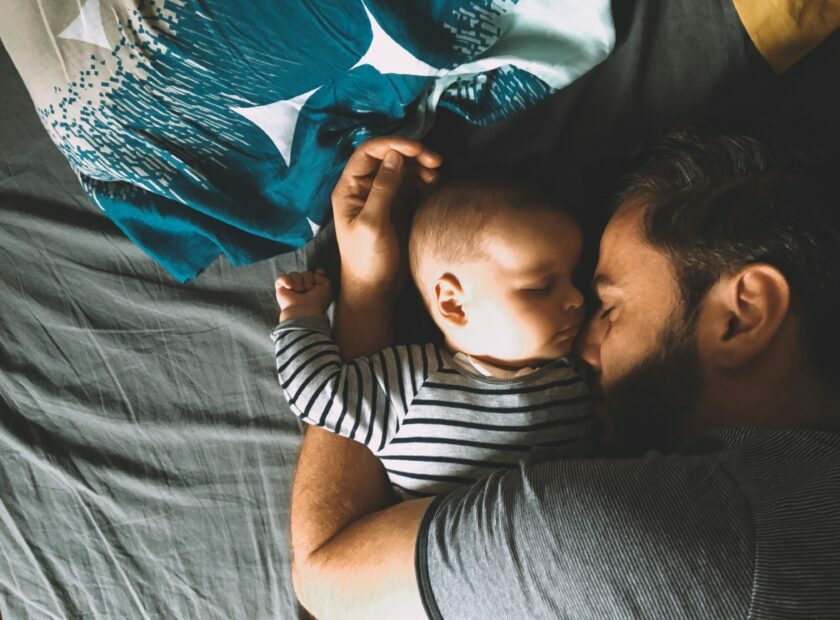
(638, 342)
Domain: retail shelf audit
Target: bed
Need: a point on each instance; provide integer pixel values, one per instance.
(146, 453)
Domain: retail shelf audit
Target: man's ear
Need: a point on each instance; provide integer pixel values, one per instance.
(449, 300)
(742, 314)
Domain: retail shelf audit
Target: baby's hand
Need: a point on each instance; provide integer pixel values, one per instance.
(303, 293)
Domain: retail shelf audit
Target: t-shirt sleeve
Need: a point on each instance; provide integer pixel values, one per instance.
(653, 537)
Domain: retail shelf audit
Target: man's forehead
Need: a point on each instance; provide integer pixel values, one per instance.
(621, 236)
(624, 256)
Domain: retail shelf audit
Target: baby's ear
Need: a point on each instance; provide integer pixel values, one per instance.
(449, 300)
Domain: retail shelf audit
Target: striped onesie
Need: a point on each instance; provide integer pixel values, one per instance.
(434, 424)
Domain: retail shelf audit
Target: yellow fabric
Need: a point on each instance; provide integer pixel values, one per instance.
(786, 30)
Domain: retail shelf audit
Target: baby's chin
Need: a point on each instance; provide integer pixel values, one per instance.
(553, 350)
(561, 346)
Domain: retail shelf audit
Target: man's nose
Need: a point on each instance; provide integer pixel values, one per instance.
(590, 348)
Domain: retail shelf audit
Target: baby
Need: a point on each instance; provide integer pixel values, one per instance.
(493, 263)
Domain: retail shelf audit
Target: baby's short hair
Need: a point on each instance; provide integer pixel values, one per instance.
(449, 222)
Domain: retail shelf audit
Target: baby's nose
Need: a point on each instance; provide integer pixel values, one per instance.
(573, 301)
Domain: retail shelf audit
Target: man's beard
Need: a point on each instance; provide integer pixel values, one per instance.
(651, 403)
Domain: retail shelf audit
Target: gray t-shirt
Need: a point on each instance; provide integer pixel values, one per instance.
(742, 523)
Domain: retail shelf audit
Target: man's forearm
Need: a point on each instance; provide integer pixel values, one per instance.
(364, 324)
(367, 570)
(338, 480)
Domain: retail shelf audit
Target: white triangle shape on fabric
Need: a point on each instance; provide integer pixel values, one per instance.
(278, 120)
(315, 227)
(387, 56)
(87, 27)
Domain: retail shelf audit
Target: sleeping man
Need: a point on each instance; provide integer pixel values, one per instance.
(494, 264)
(716, 346)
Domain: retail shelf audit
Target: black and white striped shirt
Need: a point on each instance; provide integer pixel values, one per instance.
(434, 424)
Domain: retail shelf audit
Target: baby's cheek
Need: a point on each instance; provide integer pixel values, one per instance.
(533, 330)
(508, 333)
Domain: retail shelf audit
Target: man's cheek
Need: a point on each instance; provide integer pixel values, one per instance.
(608, 366)
(615, 364)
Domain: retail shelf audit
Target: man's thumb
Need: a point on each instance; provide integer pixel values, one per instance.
(385, 186)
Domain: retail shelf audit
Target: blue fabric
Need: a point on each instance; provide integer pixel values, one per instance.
(181, 119)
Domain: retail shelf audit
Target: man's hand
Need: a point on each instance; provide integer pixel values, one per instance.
(303, 294)
(371, 233)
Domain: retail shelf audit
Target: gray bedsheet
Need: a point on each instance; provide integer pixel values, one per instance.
(145, 449)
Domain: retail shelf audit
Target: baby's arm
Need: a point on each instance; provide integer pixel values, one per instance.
(365, 399)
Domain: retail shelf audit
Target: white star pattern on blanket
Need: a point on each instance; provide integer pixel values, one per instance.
(278, 120)
(87, 27)
(387, 56)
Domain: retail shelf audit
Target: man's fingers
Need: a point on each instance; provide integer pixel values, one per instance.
(385, 188)
(308, 280)
(426, 175)
(377, 148)
(365, 161)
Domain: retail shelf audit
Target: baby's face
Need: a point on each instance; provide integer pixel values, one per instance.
(520, 304)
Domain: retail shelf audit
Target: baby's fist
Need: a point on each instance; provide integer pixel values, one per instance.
(303, 293)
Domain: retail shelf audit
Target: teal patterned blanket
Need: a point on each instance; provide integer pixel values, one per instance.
(208, 127)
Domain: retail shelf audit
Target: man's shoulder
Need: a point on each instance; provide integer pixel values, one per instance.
(790, 479)
(757, 456)
(625, 528)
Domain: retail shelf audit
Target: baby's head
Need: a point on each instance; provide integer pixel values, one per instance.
(494, 262)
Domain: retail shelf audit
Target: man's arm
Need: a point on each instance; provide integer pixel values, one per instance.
(367, 568)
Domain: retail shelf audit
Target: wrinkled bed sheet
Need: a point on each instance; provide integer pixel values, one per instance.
(145, 449)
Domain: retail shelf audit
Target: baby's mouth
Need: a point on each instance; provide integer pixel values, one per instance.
(568, 333)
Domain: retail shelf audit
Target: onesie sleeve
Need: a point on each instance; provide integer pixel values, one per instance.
(365, 399)
(657, 537)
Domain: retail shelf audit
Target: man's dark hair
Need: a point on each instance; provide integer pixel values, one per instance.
(716, 204)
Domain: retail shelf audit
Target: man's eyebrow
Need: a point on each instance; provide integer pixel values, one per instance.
(602, 281)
